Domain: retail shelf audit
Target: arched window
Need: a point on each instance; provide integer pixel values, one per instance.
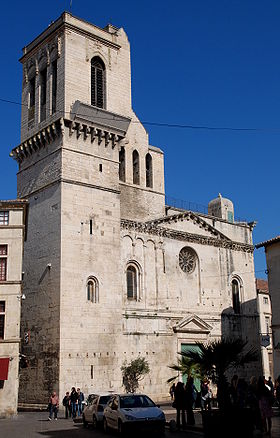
(92, 290)
(235, 286)
(149, 171)
(98, 82)
(122, 164)
(132, 282)
(135, 163)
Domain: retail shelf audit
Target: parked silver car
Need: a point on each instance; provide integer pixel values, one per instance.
(93, 411)
(133, 412)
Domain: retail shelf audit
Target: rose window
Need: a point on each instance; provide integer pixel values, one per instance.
(187, 260)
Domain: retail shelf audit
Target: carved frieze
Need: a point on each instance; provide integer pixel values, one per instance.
(152, 229)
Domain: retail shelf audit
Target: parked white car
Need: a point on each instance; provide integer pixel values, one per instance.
(130, 412)
(93, 411)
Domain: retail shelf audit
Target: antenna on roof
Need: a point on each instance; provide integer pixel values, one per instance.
(71, 6)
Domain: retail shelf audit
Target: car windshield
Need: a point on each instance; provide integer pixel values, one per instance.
(136, 401)
(104, 399)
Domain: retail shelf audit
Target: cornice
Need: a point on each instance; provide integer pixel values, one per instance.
(152, 229)
(189, 216)
(56, 129)
(37, 141)
(57, 28)
(89, 35)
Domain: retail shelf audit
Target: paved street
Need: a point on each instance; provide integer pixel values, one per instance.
(36, 424)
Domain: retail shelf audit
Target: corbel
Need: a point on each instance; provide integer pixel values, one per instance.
(61, 126)
(44, 136)
(28, 144)
(32, 147)
(86, 131)
(38, 141)
(93, 133)
(71, 128)
(79, 128)
(100, 135)
(107, 138)
(49, 133)
(113, 138)
(54, 130)
(23, 151)
(17, 151)
(119, 138)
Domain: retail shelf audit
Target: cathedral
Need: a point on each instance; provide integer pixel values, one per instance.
(111, 272)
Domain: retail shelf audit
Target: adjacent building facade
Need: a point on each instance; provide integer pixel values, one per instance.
(272, 252)
(265, 315)
(111, 272)
(12, 229)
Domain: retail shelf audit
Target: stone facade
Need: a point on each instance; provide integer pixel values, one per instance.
(264, 309)
(111, 271)
(12, 227)
(272, 252)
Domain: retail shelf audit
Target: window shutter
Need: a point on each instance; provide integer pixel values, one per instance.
(130, 283)
(93, 80)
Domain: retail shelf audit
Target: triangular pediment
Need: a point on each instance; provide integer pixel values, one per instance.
(188, 221)
(192, 324)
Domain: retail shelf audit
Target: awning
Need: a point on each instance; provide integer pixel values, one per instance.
(4, 367)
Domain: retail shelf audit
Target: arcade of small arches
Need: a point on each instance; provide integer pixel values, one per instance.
(136, 167)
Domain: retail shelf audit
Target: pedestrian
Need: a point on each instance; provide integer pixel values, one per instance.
(53, 406)
(80, 400)
(206, 395)
(277, 391)
(180, 405)
(265, 403)
(253, 403)
(66, 403)
(171, 391)
(190, 396)
(74, 402)
(270, 384)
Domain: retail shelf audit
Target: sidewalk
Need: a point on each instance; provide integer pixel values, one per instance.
(170, 414)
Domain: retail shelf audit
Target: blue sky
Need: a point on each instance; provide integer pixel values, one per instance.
(194, 62)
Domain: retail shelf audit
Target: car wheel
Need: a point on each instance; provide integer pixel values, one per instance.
(94, 422)
(85, 423)
(105, 426)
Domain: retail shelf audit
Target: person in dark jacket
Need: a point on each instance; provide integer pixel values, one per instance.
(66, 403)
(74, 402)
(180, 404)
(190, 391)
(80, 401)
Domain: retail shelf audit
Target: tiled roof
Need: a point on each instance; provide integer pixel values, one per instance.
(268, 242)
(261, 285)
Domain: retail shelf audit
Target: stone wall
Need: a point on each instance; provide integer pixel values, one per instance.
(10, 292)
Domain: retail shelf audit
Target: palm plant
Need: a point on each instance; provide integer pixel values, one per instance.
(185, 367)
(214, 360)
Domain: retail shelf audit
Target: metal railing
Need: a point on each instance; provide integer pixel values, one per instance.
(192, 206)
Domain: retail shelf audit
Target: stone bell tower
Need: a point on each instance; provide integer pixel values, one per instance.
(80, 173)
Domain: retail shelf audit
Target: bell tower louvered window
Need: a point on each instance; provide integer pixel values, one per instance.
(122, 164)
(235, 296)
(149, 171)
(97, 82)
(136, 170)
